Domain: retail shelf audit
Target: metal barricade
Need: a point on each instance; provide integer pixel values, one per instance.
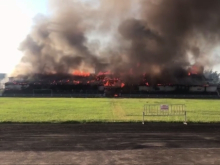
(164, 110)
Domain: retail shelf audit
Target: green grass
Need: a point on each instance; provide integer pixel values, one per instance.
(58, 110)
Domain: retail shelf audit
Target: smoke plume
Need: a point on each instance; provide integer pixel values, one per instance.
(156, 37)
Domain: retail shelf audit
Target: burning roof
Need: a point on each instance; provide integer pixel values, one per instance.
(194, 76)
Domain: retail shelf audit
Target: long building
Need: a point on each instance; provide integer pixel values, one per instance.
(106, 85)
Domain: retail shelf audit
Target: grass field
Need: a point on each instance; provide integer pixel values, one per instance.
(58, 110)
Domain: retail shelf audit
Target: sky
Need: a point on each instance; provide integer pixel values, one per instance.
(16, 20)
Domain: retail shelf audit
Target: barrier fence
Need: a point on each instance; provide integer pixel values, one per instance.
(164, 110)
(102, 95)
(96, 93)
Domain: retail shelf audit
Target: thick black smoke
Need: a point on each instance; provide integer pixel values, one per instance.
(157, 37)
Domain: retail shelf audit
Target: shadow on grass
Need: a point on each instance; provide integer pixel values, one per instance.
(109, 122)
(73, 122)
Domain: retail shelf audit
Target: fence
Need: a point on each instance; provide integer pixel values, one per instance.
(164, 110)
(96, 93)
(102, 95)
(55, 95)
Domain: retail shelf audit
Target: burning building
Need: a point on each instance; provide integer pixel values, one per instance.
(109, 84)
(143, 46)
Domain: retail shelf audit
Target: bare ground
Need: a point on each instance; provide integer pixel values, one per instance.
(109, 144)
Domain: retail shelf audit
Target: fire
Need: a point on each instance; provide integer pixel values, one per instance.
(76, 82)
(122, 85)
(115, 95)
(107, 84)
(147, 84)
(194, 70)
(81, 73)
(104, 73)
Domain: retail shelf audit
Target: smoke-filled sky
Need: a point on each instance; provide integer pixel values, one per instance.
(147, 34)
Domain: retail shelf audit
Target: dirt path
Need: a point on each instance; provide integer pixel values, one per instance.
(110, 144)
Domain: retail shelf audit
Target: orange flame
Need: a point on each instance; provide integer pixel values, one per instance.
(122, 85)
(76, 82)
(104, 73)
(107, 84)
(81, 73)
(194, 69)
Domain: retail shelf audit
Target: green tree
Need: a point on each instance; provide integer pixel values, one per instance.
(213, 76)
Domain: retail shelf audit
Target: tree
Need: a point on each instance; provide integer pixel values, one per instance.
(214, 77)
